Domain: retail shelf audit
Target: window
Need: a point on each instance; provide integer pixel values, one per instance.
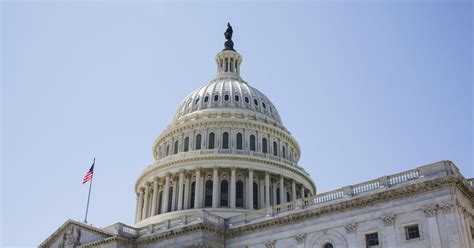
(159, 202)
(225, 140)
(264, 106)
(206, 99)
(264, 145)
(236, 98)
(226, 98)
(211, 141)
(252, 142)
(275, 148)
(255, 195)
(246, 99)
(216, 98)
(288, 197)
(167, 150)
(175, 150)
(239, 141)
(170, 196)
(193, 194)
(412, 232)
(197, 146)
(271, 111)
(208, 198)
(372, 239)
(328, 245)
(224, 193)
(283, 151)
(255, 101)
(197, 101)
(186, 144)
(278, 196)
(239, 194)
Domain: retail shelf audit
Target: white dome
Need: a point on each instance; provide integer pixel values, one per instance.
(228, 93)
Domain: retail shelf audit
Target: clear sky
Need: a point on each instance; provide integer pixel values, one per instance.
(367, 88)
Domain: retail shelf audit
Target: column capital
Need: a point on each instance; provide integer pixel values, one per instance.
(155, 180)
(251, 169)
(388, 220)
(430, 212)
(447, 208)
(215, 167)
(181, 171)
(233, 168)
(141, 190)
(198, 169)
(167, 175)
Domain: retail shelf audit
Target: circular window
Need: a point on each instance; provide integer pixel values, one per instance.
(255, 101)
(216, 98)
(236, 98)
(246, 100)
(206, 99)
(328, 245)
(226, 98)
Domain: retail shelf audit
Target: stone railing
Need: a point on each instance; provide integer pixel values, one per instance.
(223, 152)
(439, 169)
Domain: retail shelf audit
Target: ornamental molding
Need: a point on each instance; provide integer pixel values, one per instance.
(447, 208)
(350, 228)
(300, 238)
(388, 220)
(203, 227)
(431, 211)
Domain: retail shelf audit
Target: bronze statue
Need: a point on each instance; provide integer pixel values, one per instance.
(229, 44)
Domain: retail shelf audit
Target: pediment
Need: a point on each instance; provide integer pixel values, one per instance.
(72, 234)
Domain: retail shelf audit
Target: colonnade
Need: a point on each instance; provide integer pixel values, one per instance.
(216, 188)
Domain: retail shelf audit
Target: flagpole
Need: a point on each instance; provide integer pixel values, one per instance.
(89, 196)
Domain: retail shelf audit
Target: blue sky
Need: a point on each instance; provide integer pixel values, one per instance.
(368, 88)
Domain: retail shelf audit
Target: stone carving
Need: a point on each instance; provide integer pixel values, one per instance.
(388, 220)
(300, 238)
(71, 238)
(229, 44)
(447, 208)
(350, 228)
(430, 212)
(270, 244)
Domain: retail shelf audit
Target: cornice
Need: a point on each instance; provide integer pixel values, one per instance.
(181, 231)
(114, 239)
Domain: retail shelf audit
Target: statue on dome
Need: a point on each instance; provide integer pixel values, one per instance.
(229, 44)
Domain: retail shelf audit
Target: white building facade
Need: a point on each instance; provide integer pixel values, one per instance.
(226, 174)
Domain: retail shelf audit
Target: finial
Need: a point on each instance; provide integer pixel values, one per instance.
(229, 44)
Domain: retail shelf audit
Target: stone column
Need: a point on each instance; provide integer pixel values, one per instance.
(267, 189)
(302, 191)
(166, 193)
(197, 192)
(261, 193)
(389, 223)
(140, 205)
(232, 187)
(282, 190)
(454, 237)
(181, 189)
(173, 195)
(186, 193)
(293, 190)
(274, 193)
(435, 240)
(250, 190)
(145, 204)
(351, 235)
(154, 199)
(215, 187)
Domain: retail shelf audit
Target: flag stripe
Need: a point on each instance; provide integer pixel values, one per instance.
(89, 174)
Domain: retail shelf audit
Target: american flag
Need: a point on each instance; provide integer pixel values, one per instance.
(89, 174)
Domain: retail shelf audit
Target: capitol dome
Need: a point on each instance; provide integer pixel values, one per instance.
(226, 152)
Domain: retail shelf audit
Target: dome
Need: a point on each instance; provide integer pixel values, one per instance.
(229, 94)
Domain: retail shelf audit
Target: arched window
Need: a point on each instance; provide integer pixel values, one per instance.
(225, 140)
(283, 151)
(208, 198)
(226, 98)
(275, 148)
(175, 150)
(193, 194)
(236, 98)
(170, 199)
(224, 193)
(288, 197)
(211, 141)
(278, 196)
(239, 194)
(206, 99)
(264, 145)
(255, 195)
(186, 144)
(216, 98)
(159, 202)
(328, 245)
(167, 150)
(252, 142)
(239, 141)
(198, 142)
